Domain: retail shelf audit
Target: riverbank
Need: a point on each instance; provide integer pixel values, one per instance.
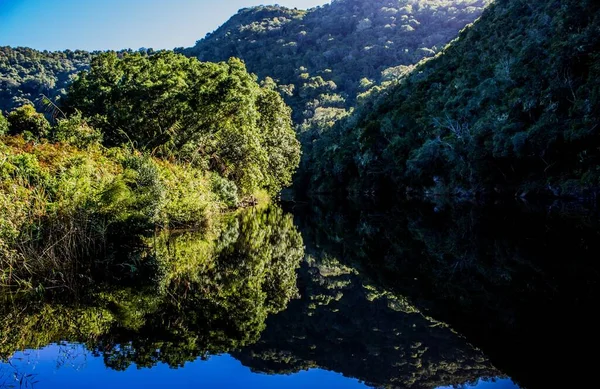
(61, 205)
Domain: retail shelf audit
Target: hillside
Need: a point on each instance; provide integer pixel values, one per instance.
(26, 74)
(512, 106)
(326, 56)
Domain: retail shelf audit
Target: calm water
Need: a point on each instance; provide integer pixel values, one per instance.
(327, 294)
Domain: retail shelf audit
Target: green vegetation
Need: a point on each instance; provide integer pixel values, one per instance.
(330, 59)
(147, 142)
(214, 116)
(25, 74)
(325, 57)
(163, 309)
(325, 61)
(59, 204)
(511, 106)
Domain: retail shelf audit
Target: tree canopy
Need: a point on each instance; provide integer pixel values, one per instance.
(214, 115)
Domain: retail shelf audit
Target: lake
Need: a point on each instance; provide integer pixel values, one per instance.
(326, 293)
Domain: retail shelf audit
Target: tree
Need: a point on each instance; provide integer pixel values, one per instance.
(211, 115)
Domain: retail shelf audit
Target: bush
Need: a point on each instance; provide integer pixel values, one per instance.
(28, 122)
(225, 190)
(77, 132)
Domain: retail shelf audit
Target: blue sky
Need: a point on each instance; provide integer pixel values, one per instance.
(118, 24)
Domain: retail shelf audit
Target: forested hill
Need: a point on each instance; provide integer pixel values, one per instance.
(328, 55)
(25, 74)
(323, 58)
(512, 106)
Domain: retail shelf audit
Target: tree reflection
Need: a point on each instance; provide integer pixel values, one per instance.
(517, 280)
(208, 292)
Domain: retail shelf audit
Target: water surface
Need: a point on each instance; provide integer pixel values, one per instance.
(327, 294)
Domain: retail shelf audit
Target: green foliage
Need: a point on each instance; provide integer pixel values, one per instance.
(225, 190)
(511, 106)
(328, 58)
(75, 131)
(26, 74)
(3, 125)
(28, 122)
(214, 116)
(59, 204)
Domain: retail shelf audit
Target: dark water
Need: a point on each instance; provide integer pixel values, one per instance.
(328, 294)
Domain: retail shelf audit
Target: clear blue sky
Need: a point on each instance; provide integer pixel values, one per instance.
(118, 24)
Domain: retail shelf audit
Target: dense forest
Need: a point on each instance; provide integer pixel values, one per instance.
(324, 60)
(135, 194)
(327, 57)
(26, 74)
(382, 104)
(511, 107)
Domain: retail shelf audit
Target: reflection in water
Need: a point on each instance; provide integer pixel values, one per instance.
(519, 281)
(343, 324)
(416, 296)
(210, 292)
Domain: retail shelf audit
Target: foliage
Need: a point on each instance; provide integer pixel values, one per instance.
(329, 59)
(225, 190)
(326, 60)
(511, 106)
(61, 204)
(3, 125)
(75, 131)
(26, 74)
(214, 116)
(28, 122)
(329, 50)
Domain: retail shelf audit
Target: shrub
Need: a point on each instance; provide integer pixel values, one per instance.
(28, 122)
(77, 132)
(225, 190)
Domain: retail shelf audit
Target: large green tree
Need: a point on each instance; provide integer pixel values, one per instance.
(214, 115)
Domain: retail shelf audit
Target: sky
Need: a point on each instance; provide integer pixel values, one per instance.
(118, 24)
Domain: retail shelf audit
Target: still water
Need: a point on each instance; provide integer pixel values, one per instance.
(326, 294)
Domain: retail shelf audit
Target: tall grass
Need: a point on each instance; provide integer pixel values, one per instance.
(62, 208)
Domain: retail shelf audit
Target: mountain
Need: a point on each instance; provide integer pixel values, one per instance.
(512, 106)
(326, 57)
